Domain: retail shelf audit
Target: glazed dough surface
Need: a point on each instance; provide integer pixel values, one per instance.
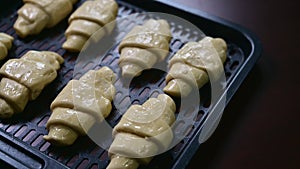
(143, 131)
(24, 79)
(144, 46)
(194, 65)
(79, 105)
(5, 44)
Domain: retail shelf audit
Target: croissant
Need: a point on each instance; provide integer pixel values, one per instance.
(90, 17)
(5, 44)
(35, 15)
(189, 66)
(79, 105)
(24, 79)
(142, 132)
(144, 46)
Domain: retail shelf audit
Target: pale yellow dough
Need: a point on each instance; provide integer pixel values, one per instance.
(5, 44)
(144, 46)
(79, 105)
(89, 18)
(191, 64)
(24, 79)
(143, 131)
(35, 15)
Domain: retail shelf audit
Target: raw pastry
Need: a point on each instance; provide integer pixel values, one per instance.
(144, 46)
(190, 65)
(90, 17)
(5, 44)
(143, 131)
(35, 15)
(79, 105)
(24, 79)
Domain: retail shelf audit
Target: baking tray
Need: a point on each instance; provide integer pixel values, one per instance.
(21, 143)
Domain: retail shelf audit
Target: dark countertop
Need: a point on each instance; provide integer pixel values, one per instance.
(260, 126)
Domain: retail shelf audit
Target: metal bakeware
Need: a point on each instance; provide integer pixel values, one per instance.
(21, 142)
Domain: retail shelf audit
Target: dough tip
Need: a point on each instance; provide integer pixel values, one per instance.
(119, 162)
(21, 31)
(177, 88)
(3, 52)
(172, 89)
(131, 70)
(5, 110)
(6, 39)
(74, 43)
(61, 135)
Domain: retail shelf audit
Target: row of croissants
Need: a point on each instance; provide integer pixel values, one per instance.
(36, 15)
(143, 130)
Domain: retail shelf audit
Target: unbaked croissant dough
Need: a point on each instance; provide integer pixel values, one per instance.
(24, 79)
(90, 17)
(144, 46)
(35, 15)
(79, 105)
(190, 65)
(5, 44)
(143, 131)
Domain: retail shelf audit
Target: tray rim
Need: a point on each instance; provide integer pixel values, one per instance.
(232, 87)
(238, 79)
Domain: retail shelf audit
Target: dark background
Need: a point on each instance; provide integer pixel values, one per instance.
(260, 127)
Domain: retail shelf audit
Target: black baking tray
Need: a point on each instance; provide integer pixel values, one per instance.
(21, 143)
